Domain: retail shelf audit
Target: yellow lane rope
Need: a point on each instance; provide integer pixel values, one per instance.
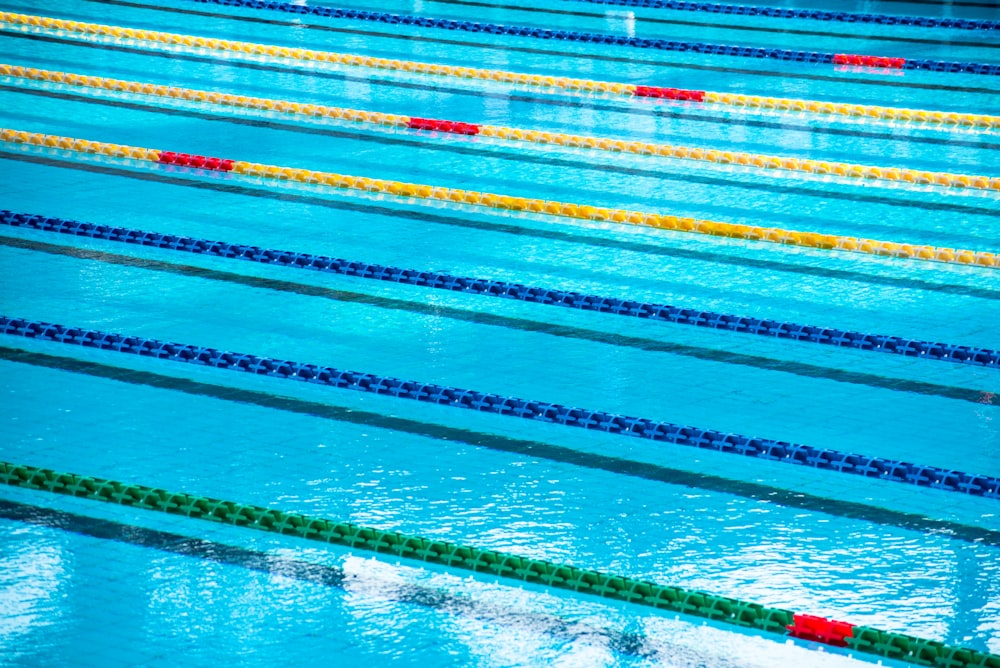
(528, 205)
(822, 167)
(738, 100)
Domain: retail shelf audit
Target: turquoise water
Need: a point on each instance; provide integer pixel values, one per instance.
(88, 584)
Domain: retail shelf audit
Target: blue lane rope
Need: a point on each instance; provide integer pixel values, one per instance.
(883, 343)
(588, 38)
(813, 14)
(612, 423)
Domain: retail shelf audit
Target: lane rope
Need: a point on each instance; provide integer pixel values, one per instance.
(504, 565)
(618, 641)
(802, 626)
(879, 468)
(383, 120)
(573, 85)
(147, 157)
(533, 294)
(812, 14)
(703, 48)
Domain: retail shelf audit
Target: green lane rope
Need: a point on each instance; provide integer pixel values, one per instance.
(500, 564)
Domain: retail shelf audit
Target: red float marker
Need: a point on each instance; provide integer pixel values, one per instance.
(197, 161)
(821, 629)
(454, 127)
(869, 61)
(670, 93)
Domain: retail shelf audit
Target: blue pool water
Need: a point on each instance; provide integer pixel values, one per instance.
(94, 584)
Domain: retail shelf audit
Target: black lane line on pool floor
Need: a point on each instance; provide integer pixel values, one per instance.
(504, 153)
(520, 447)
(299, 25)
(643, 107)
(519, 324)
(776, 30)
(622, 642)
(503, 228)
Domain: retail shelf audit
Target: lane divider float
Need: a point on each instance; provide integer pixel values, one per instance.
(869, 61)
(378, 119)
(778, 621)
(878, 468)
(196, 161)
(703, 48)
(883, 343)
(528, 205)
(545, 82)
(813, 14)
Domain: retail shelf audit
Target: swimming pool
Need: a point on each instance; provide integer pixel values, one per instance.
(644, 270)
